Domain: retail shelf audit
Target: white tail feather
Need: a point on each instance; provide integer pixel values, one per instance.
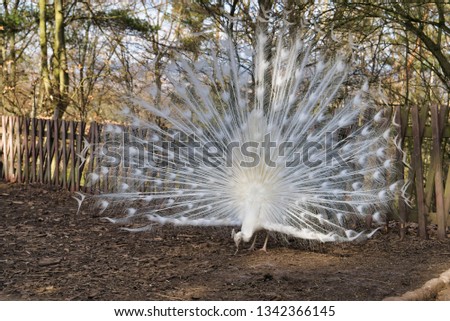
(299, 159)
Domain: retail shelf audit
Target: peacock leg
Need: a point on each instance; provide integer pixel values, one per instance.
(264, 248)
(252, 247)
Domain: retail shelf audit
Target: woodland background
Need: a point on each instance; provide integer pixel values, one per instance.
(78, 59)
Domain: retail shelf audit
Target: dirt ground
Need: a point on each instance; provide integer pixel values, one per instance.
(49, 252)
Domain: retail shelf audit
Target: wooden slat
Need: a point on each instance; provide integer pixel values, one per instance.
(33, 151)
(48, 147)
(95, 159)
(402, 208)
(418, 169)
(40, 148)
(18, 149)
(64, 153)
(3, 150)
(98, 140)
(55, 149)
(8, 149)
(91, 138)
(445, 146)
(13, 155)
(106, 178)
(445, 118)
(72, 155)
(26, 135)
(447, 195)
(82, 155)
(439, 188)
(79, 142)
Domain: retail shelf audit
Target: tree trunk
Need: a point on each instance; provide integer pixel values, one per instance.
(44, 92)
(60, 69)
(3, 78)
(9, 58)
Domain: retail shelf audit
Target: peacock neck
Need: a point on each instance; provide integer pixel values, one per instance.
(251, 217)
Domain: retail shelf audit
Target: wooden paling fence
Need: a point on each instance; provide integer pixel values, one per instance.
(62, 153)
(47, 151)
(425, 133)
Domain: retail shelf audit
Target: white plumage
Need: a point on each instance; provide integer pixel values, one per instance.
(294, 152)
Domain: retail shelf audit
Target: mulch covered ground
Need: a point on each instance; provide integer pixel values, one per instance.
(49, 252)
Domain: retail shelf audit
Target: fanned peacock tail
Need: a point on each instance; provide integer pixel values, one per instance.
(293, 151)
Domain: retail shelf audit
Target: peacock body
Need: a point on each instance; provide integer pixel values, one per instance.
(294, 151)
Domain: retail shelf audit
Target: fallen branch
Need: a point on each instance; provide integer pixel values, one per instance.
(428, 291)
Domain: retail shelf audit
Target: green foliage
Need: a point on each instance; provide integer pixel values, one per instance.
(125, 21)
(191, 44)
(15, 22)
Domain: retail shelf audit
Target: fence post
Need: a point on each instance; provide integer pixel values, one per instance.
(33, 150)
(72, 155)
(18, 149)
(26, 150)
(441, 217)
(55, 151)
(418, 169)
(4, 159)
(402, 123)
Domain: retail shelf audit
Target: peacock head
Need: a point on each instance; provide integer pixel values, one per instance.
(237, 237)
